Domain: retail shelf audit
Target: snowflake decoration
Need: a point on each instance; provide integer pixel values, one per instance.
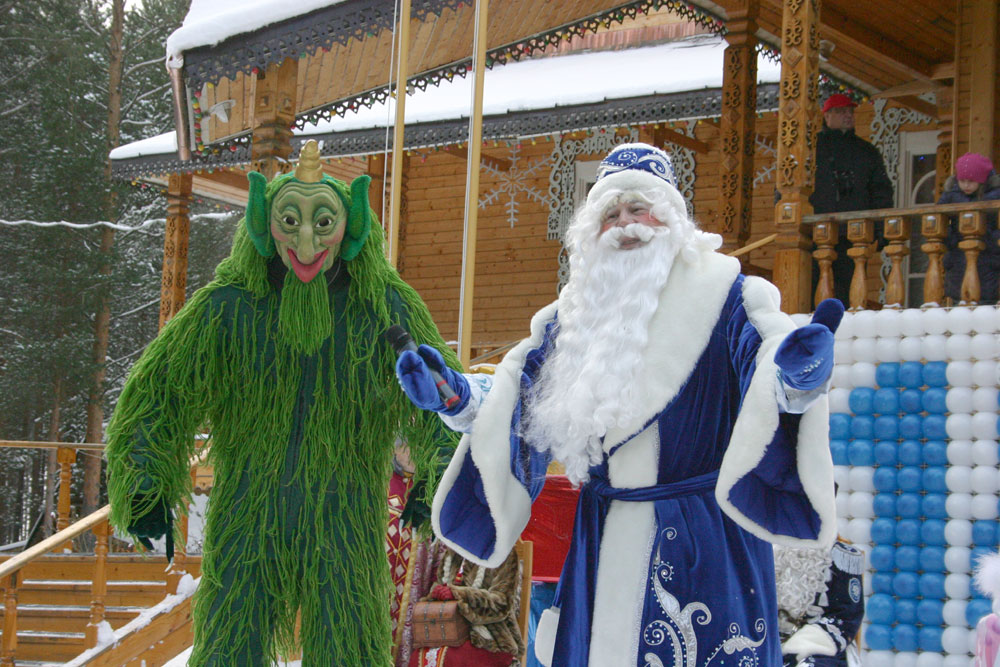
(765, 147)
(513, 182)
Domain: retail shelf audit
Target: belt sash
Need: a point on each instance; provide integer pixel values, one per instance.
(575, 593)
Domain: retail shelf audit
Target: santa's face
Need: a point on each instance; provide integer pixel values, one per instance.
(620, 216)
(308, 221)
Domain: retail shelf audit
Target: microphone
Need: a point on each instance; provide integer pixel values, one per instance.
(401, 341)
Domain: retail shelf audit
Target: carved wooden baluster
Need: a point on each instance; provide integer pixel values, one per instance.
(861, 234)
(66, 456)
(825, 236)
(972, 227)
(99, 586)
(897, 232)
(934, 227)
(9, 645)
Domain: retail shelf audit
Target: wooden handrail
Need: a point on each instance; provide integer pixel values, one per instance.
(51, 445)
(50, 543)
(753, 246)
(492, 353)
(992, 205)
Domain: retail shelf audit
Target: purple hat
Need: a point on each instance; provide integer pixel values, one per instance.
(973, 167)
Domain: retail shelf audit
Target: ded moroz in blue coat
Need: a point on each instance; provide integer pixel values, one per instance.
(671, 562)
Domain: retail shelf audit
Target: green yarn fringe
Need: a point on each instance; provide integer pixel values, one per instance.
(217, 367)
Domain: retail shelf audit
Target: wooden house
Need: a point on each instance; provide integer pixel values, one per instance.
(475, 199)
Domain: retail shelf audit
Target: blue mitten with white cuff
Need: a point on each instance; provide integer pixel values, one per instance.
(413, 369)
(805, 356)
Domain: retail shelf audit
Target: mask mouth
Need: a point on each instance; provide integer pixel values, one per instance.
(306, 272)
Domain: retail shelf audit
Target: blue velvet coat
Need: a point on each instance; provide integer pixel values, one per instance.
(671, 563)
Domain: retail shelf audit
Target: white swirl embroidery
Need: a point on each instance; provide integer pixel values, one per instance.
(678, 632)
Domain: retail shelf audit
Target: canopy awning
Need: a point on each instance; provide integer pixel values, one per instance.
(662, 83)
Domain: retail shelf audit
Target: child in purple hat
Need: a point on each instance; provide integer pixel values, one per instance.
(974, 180)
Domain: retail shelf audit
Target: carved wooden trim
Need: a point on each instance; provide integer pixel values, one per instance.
(175, 246)
(934, 227)
(274, 114)
(738, 126)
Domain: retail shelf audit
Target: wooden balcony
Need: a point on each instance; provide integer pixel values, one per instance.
(970, 220)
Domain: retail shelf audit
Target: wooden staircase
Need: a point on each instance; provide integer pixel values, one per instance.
(54, 599)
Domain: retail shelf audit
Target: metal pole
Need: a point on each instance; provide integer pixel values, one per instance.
(472, 186)
(403, 42)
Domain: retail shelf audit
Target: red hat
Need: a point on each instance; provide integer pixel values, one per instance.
(838, 100)
(973, 167)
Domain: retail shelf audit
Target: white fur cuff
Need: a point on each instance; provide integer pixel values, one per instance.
(809, 640)
(545, 635)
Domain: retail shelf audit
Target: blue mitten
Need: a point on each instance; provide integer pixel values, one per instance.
(416, 371)
(805, 356)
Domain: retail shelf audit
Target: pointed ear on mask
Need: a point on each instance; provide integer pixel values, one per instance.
(359, 219)
(257, 217)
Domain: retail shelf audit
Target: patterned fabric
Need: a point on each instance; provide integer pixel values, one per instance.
(637, 156)
(837, 610)
(398, 548)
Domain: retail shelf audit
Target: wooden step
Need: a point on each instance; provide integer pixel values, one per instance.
(78, 593)
(57, 618)
(48, 647)
(118, 567)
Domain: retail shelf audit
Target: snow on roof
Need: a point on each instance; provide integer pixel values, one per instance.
(209, 22)
(540, 83)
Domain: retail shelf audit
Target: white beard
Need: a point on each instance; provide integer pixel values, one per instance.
(588, 383)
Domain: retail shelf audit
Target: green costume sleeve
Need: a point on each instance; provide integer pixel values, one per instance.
(151, 437)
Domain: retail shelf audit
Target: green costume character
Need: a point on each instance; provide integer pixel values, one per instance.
(282, 358)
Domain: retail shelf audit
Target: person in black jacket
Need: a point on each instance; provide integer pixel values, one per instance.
(850, 176)
(974, 180)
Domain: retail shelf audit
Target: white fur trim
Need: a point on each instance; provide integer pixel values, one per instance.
(809, 640)
(489, 446)
(679, 331)
(627, 180)
(758, 421)
(545, 635)
(629, 532)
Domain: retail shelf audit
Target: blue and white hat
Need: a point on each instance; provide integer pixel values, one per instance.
(633, 167)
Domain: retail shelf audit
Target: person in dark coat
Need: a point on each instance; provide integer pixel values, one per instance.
(974, 180)
(850, 176)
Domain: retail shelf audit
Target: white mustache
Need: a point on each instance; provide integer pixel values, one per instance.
(644, 233)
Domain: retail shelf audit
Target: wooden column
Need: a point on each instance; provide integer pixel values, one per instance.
(861, 234)
(943, 160)
(274, 112)
(897, 233)
(175, 246)
(972, 227)
(9, 644)
(376, 192)
(825, 236)
(99, 585)
(934, 227)
(472, 186)
(398, 137)
(984, 114)
(66, 456)
(797, 127)
(738, 125)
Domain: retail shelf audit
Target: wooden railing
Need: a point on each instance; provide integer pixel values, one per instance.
(933, 222)
(98, 523)
(66, 456)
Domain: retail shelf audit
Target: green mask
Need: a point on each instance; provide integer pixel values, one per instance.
(307, 222)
